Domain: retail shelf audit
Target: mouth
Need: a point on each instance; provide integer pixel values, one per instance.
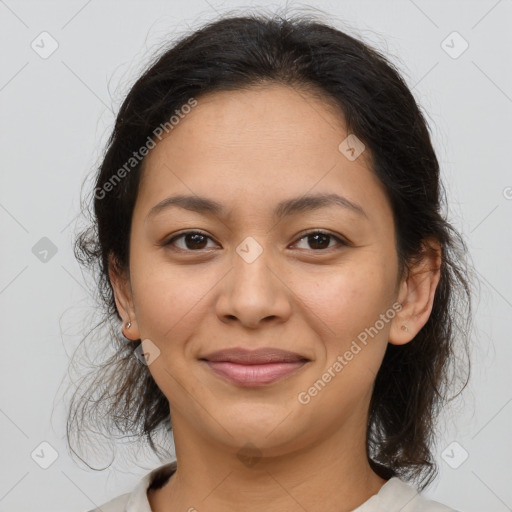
(254, 368)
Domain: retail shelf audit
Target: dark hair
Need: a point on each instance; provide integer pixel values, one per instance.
(235, 53)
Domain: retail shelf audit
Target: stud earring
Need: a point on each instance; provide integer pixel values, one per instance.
(404, 328)
(128, 325)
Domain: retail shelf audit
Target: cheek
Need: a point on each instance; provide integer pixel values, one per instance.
(170, 302)
(346, 307)
(168, 298)
(347, 298)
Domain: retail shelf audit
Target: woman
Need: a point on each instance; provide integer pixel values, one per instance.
(268, 230)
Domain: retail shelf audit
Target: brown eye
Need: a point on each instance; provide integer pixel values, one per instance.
(193, 241)
(320, 240)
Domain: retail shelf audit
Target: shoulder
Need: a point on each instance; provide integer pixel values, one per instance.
(115, 505)
(137, 500)
(397, 495)
(407, 497)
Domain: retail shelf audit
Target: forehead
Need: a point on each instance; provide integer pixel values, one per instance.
(259, 114)
(265, 142)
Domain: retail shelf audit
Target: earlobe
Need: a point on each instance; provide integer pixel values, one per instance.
(124, 301)
(417, 294)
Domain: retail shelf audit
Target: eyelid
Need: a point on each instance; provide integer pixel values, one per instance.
(312, 231)
(184, 233)
(342, 241)
(338, 238)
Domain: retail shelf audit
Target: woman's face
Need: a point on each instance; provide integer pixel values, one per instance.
(254, 279)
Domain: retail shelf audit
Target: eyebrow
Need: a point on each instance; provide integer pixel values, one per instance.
(285, 208)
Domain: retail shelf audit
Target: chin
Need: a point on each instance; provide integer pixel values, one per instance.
(273, 435)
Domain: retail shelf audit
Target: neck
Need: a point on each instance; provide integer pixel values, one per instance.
(217, 477)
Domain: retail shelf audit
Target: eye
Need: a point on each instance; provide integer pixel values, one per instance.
(193, 240)
(321, 239)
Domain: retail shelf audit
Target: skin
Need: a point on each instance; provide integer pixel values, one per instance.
(249, 150)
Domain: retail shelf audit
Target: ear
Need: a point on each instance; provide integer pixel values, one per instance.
(124, 299)
(416, 294)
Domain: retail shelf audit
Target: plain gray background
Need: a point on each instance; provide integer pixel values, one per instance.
(56, 113)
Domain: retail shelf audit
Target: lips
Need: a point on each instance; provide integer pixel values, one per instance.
(258, 356)
(254, 368)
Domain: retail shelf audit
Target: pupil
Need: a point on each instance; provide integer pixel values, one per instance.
(319, 240)
(315, 245)
(196, 238)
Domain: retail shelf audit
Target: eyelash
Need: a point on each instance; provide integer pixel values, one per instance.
(340, 241)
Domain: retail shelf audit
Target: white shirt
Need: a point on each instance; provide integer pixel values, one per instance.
(394, 496)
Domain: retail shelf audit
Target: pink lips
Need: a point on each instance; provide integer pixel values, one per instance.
(252, 368)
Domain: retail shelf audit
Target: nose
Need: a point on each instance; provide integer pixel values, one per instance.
(254, 291)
